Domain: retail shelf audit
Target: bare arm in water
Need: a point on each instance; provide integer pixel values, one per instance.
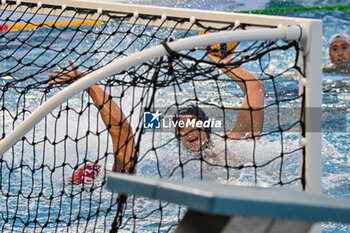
(113, 117)
(251, 114)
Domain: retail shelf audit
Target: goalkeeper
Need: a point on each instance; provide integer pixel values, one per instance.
(248, 125)
(250, 117)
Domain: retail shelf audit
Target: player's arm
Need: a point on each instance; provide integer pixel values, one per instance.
(118, 127)
(251, 114)
(112, 116)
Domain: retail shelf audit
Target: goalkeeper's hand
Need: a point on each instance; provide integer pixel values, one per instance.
(64, 76)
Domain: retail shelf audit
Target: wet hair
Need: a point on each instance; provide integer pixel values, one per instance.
(195, 111)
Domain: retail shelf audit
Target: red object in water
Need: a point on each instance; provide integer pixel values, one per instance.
(85, 174)
(3, 28)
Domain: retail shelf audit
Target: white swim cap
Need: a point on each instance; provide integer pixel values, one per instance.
(337, 37)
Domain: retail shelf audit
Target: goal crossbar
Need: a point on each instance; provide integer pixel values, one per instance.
(70, 8)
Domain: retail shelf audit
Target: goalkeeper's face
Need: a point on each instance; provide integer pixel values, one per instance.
(190, 134)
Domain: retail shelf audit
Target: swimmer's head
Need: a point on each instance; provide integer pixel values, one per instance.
(85, 174)
(339, 48)
(187, 131)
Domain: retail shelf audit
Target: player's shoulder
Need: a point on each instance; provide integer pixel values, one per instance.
(331, 67)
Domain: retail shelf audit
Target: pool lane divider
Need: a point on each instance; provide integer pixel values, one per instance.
(289, 9)
(31, 26)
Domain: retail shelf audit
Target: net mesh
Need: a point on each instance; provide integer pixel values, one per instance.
(37, 194)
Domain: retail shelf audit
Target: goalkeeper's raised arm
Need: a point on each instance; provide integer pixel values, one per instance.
(113, 117)
(251, 114)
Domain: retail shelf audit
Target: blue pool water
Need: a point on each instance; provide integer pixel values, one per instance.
(335, 151)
